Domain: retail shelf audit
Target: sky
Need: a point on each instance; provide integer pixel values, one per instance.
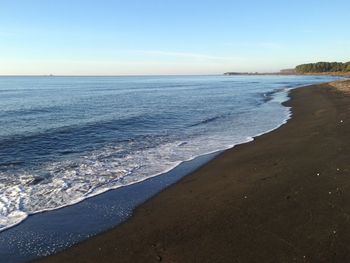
(137, 37)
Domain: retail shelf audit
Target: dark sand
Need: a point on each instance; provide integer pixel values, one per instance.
(284, 197)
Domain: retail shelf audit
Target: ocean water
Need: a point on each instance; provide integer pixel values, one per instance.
(65, 139)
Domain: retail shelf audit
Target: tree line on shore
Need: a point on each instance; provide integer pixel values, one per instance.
(320, 67)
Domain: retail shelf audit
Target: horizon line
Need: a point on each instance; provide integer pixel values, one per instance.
(107, 75)
(130, 75)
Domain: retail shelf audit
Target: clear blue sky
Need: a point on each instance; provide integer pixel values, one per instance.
(74, 37)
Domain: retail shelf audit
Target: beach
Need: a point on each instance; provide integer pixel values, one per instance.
(281, 198)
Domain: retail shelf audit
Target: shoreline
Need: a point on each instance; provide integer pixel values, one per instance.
(64, 219)
(56, 236)
(87, 218)
(167, 170)
(208, 218)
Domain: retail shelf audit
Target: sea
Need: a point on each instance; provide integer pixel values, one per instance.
(66, 139)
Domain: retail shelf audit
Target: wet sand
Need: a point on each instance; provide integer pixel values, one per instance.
(285, 197)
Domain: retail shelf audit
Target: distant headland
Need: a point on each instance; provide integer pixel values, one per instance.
(319, 68)
(323, 67)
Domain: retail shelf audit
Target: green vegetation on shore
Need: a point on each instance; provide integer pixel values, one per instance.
(321, 67)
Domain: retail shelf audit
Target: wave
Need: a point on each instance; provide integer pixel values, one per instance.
(255, 101)
(206, 121)
(77, 139)
(268, 96)
(29, 111)
(11, 164)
